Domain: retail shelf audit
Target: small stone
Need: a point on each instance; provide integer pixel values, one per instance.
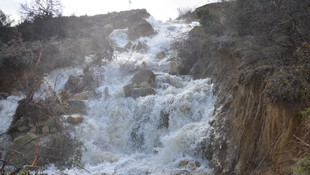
(197, 163)
(192, 165)
(183, 163)
(5, 95)
(45, 130)
(15, 92)
(161, 55)
(21, 122)
(50, 122)
(22, 128)
(40, 123)
(31, 125)
(64, 95)
(75, 119)
(81, 96)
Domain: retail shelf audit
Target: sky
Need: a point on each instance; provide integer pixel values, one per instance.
(160, 9)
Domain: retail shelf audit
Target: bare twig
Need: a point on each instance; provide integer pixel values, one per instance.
(36, 156)
(301, 141)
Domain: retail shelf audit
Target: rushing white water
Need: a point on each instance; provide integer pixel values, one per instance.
(146, 135)
(7, 110)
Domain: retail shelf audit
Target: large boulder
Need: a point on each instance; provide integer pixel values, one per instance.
(140, 29)
(135, 92)
(142, 84)
(144, 76)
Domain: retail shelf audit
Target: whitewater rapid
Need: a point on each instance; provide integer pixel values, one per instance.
(146, 135)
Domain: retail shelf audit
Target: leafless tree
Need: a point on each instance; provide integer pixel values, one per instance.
(40, 9)
(5, 20)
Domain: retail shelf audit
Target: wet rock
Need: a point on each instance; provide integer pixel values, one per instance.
(81, 96)
(64, 95)
(91, 79)
(4, 95)
(192, 165)
(129, 45)
(142, 85)
(197, 163)
(135, 92)
(15, 92)
(183, 163)
(74, 84)
(140, 47)
(176, 66)
(140, 29)
(76, 106)
(144, 76)
(75, 119)
(161, 55)
(120, 49)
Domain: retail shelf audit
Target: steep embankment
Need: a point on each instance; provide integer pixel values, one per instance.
(261, 88)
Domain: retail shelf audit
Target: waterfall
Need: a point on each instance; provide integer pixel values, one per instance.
(152, 134)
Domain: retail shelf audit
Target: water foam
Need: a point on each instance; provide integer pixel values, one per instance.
(146, 135)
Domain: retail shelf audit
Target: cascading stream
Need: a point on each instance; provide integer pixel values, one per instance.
(144, 135)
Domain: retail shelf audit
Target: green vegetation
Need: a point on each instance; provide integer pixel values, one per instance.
(302, 167)
(306, 113)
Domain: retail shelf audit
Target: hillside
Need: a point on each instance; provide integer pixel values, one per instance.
(122, 93)
(258, 59)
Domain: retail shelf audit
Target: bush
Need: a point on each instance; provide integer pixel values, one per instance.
(209, 20)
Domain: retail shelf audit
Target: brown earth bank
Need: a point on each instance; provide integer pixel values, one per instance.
(261, 120)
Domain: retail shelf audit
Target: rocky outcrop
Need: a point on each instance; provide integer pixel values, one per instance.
(142, 84)
(39, 135)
